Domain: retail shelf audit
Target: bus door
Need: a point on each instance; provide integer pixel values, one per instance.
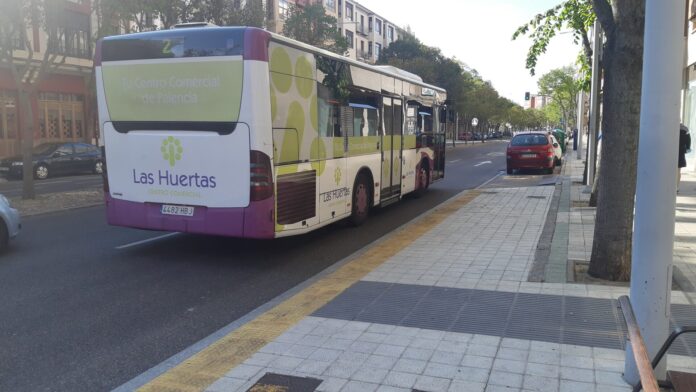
(391, 147)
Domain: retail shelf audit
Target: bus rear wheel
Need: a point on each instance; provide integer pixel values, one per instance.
(361, 200)
(423, 178)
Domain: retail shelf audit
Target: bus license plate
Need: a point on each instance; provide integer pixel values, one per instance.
(168, 209)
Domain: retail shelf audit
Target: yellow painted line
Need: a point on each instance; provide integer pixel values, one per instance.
(210, 364)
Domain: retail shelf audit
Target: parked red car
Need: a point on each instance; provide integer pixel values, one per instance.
(530, 151)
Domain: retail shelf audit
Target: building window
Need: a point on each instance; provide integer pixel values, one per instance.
(378, 49)
(349, 37)
(362, 24)
(18, 37)
(61, 116)
(369, 49)
(330, 4)
(369, 23)
(349, 11)
(378, 26)
(8, 115)
(282, 9)
(340, 9)
(72, 36)
(390, 34)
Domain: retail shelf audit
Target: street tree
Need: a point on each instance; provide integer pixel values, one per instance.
(312, 25)
(622, 22)
(561, 86)
(17, 53)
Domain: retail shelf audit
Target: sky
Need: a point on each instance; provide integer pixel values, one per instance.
(479, 33)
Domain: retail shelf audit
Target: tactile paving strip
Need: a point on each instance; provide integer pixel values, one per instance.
(550, 318)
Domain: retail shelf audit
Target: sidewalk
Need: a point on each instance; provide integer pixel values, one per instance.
(446, 304)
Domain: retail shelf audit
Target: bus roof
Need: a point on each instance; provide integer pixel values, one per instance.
(236, 30)
(384, 70)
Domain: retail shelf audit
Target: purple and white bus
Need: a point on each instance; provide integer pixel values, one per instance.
(239, 132)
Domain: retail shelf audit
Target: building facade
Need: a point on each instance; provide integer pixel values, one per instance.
(689, 81)
(537, 101)
(367, 33)
(59, 103)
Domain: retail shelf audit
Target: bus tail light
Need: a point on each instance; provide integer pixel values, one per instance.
(105, 178)
(261, 185)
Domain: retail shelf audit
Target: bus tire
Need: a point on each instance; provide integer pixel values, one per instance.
(423, 178)
(362, 195)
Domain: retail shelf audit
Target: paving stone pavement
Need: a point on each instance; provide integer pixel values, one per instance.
(480, 256)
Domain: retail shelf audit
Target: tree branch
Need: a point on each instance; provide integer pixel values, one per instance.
(586, 45)
(605, 15)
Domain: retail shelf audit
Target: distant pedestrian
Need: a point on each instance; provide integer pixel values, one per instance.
(684, 147)
(575, 139)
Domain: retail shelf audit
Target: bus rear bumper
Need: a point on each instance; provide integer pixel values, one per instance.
(253, 221)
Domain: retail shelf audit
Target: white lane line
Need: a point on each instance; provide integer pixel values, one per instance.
(500, 173)
(456, 160)
(483, 163)
(136, 243)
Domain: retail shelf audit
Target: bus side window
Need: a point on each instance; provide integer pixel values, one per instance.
(360, 122)
(372, 121)
(329, 112)
(346, 122)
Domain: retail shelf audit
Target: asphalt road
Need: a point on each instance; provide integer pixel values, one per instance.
(13, 188)
(78, 313)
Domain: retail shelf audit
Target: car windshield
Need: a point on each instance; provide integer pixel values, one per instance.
(529, 140)
(44, 148)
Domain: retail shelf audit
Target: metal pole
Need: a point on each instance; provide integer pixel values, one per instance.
(456, 127)
(653, 225)
(594, 106)
(580, 125)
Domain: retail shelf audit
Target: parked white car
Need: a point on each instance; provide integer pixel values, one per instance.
(10, 223)
(557, 150)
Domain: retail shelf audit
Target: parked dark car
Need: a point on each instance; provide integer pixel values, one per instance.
(52, 159)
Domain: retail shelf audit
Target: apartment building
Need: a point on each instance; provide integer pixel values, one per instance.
(59, 107)
(367, 33)
(537, 101)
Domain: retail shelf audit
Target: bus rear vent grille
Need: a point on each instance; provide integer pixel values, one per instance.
(297, 197)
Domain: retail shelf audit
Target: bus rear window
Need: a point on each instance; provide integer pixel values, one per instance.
(529, 140)
(176, 43)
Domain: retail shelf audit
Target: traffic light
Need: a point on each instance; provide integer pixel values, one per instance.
(526, 96)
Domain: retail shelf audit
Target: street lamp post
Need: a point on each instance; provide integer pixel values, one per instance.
(656, 181)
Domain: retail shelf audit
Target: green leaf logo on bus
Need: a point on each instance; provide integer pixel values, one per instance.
(337, 176)
(171, 150)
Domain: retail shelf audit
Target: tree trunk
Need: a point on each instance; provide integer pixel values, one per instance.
(623, 63)
(595, 187)
(27, 144)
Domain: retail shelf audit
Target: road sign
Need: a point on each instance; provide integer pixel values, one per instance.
(474, 121)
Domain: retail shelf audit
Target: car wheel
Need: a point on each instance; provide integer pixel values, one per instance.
(423, 179)
(549, 170)
(4, 236)
(361, 200)
(41, 172)
(98, 167)
(509, 170)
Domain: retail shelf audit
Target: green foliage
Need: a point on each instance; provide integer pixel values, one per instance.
(310, 24)
(561, 86)
(466, 91)
(576, 15)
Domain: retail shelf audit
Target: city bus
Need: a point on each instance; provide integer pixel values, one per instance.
(236, 131)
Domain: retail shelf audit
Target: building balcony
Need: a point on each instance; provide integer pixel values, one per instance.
(364, 55)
